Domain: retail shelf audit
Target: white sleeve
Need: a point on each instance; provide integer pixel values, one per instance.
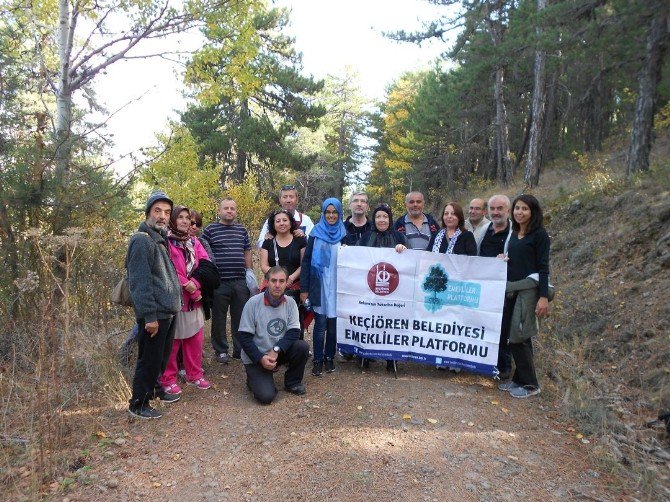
(261, 236)
(307, 221)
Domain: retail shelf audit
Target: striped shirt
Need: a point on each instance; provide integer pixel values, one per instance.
(228, 243)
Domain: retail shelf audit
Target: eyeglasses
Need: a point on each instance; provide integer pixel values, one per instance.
(331, 213)
(287, 187)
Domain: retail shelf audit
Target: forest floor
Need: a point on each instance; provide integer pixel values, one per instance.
(356, 435)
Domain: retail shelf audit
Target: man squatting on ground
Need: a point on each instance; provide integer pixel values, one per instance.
(492, 245)
(270, 336)
(230, 245)
(156, 296)
(288, 200)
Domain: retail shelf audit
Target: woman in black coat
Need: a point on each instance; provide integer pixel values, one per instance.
(453, 238)
(382, 235)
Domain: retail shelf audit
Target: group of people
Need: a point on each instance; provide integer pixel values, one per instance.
(176, 278)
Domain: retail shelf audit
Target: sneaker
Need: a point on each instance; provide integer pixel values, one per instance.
(144, 411)
(167, 397)
(317, 369)
(330, 365)
(442, 367)
(524, 392)
(454, 369)
(298, 389)
(508, 386)
(223, 358)
(200, 383)
(173, 388)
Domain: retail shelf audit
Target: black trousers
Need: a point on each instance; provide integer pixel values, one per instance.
(524, 373)
(504, 352)
(153, 353)
(261, 381)
(231, 294)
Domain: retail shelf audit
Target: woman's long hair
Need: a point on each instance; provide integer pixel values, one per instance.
(535, 213)
(458, 210)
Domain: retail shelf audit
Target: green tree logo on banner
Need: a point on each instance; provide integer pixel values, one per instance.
(436, 281)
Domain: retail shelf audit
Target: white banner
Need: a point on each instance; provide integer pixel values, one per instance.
(418, 306)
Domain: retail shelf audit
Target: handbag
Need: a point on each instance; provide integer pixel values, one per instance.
(121, 293)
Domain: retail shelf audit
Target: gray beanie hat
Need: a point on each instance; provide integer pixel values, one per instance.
(154, 197)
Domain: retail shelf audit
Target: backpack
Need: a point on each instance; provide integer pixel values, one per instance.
(121, 292)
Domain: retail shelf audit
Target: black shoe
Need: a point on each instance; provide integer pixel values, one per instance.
(317, 369)
(298, 389)
(330, 365)
(237, 355)
(365, 363)
(167, 397)
(144, 411)
(223, 358)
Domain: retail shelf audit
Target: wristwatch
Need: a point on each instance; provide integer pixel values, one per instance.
(277, 349)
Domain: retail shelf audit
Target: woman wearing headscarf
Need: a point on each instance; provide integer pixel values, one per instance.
(381, 235)
(318, 282)
(186, 253)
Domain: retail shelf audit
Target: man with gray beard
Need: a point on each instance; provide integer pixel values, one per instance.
(493, 245)
(155, 292)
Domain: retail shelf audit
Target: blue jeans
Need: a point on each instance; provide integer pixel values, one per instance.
(324, 326)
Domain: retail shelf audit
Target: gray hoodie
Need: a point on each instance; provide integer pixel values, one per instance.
(154, 286)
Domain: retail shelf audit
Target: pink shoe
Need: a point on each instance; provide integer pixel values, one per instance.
(200, 383)
(172, 389)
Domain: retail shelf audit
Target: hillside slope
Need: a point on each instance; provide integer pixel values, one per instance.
(607, 342)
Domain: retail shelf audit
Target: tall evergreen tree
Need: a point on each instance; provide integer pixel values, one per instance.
(249, 86)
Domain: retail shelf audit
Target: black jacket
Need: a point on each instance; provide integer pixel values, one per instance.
(208, 277)
(465, 244)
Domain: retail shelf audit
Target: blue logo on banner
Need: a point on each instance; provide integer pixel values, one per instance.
(441, 291)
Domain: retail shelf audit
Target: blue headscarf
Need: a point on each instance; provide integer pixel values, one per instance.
(326, 234)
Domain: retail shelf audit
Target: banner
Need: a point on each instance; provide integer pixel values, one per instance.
(418, 306)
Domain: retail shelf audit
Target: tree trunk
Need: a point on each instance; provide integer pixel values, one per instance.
(241, 158)
(503, 161)
(532, 174)
(524, 142)
(67, 22)
(496, 29)
(645, 106)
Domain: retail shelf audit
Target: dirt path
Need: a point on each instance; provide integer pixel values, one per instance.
(428, 436)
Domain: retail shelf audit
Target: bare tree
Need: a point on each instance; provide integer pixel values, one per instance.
(88, 44)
